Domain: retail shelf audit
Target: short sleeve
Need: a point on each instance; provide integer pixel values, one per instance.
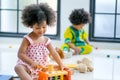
(85, 34)
(29, 39)
(48, 41)
(68, 35)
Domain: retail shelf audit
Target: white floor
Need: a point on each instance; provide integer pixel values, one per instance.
(104, 68)
(77, 75)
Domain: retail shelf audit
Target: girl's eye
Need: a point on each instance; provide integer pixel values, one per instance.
(37, 28)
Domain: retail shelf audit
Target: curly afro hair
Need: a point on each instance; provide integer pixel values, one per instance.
(79, 16)
(37, 13)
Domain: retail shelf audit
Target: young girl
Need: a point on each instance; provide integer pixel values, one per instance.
(75, 36)
(35, 48)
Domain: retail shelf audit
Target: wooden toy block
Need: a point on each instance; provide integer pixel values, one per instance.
(71, 66)
(6, 77)
(64, 75)
(55, 74)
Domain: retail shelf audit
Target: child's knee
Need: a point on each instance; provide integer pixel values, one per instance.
(90, 48)
(65, 47)
(16, 68)
(86, 50)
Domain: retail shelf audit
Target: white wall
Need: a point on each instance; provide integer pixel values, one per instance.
(65, 11)
(66, 7)
(10, 45)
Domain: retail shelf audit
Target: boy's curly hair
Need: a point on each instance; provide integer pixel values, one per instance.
(79, 16)
(37, 13)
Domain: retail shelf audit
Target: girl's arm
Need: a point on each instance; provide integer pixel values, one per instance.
(55, 55)
(22, 55)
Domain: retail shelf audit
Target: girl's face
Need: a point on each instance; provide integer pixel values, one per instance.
(79, 27)
(40, 29)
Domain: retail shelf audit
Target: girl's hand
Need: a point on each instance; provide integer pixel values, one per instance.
(62, 67)
(39, 66)
(35, 65)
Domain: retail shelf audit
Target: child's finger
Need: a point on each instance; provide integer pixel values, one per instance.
(39, 66)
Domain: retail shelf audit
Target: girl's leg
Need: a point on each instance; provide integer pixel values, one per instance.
(22, 72)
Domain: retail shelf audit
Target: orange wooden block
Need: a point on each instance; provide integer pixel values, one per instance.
(45, 75)
(42, 76)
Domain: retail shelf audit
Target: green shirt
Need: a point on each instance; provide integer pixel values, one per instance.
(75, 36)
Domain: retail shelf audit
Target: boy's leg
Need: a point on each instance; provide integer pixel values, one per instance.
(66, 50)
(86, 49)
(65, 47)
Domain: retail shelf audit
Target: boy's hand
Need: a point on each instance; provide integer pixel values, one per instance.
(77, 50)
(94, 47)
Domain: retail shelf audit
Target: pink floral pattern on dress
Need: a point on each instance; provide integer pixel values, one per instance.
(36, 52)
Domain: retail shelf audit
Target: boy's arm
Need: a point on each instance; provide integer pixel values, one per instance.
(77, 50)
(87, 42)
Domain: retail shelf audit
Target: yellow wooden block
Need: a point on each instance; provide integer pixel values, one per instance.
(71, 66)
(61, 77)
(56, 73)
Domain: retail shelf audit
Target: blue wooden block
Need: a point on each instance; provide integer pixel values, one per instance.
(6, 77)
